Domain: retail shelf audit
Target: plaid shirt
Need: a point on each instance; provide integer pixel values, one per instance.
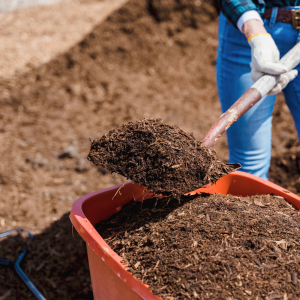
(233, 9)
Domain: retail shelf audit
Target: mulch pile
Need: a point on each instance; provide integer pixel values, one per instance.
(56, 264)
(163, 158)
(285, 169)
(210, 247)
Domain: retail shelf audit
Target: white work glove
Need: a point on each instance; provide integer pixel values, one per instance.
(265, 57)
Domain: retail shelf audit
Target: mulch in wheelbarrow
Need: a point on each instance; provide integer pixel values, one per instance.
(211, 246)
(163, 158)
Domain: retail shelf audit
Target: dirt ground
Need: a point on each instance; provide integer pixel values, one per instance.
(31, 37)
(139, 62)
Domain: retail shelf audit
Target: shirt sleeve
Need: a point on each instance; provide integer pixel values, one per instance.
(234, 9)
(248, 15)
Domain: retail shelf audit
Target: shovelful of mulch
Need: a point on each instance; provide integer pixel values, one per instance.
(163, 158)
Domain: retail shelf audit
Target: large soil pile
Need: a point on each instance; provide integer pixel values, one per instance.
(127, 68)
(151, 59)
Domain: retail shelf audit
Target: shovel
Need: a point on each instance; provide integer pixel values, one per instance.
(258, 90)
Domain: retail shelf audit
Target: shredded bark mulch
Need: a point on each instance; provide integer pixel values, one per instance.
(210, 247)
(56, 264)
(163, 158)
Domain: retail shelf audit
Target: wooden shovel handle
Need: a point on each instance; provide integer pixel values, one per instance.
(259, 89)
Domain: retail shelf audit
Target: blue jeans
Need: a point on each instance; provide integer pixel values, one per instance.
(249, 139)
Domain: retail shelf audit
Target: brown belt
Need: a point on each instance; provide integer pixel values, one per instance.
(285, 16)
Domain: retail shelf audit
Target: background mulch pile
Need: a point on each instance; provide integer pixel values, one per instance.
(211, 247)
(163, 158)
(56, 264)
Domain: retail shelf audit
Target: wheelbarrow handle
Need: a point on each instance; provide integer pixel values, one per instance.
(259, 89)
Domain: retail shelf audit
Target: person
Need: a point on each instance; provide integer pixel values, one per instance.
(253, 35)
